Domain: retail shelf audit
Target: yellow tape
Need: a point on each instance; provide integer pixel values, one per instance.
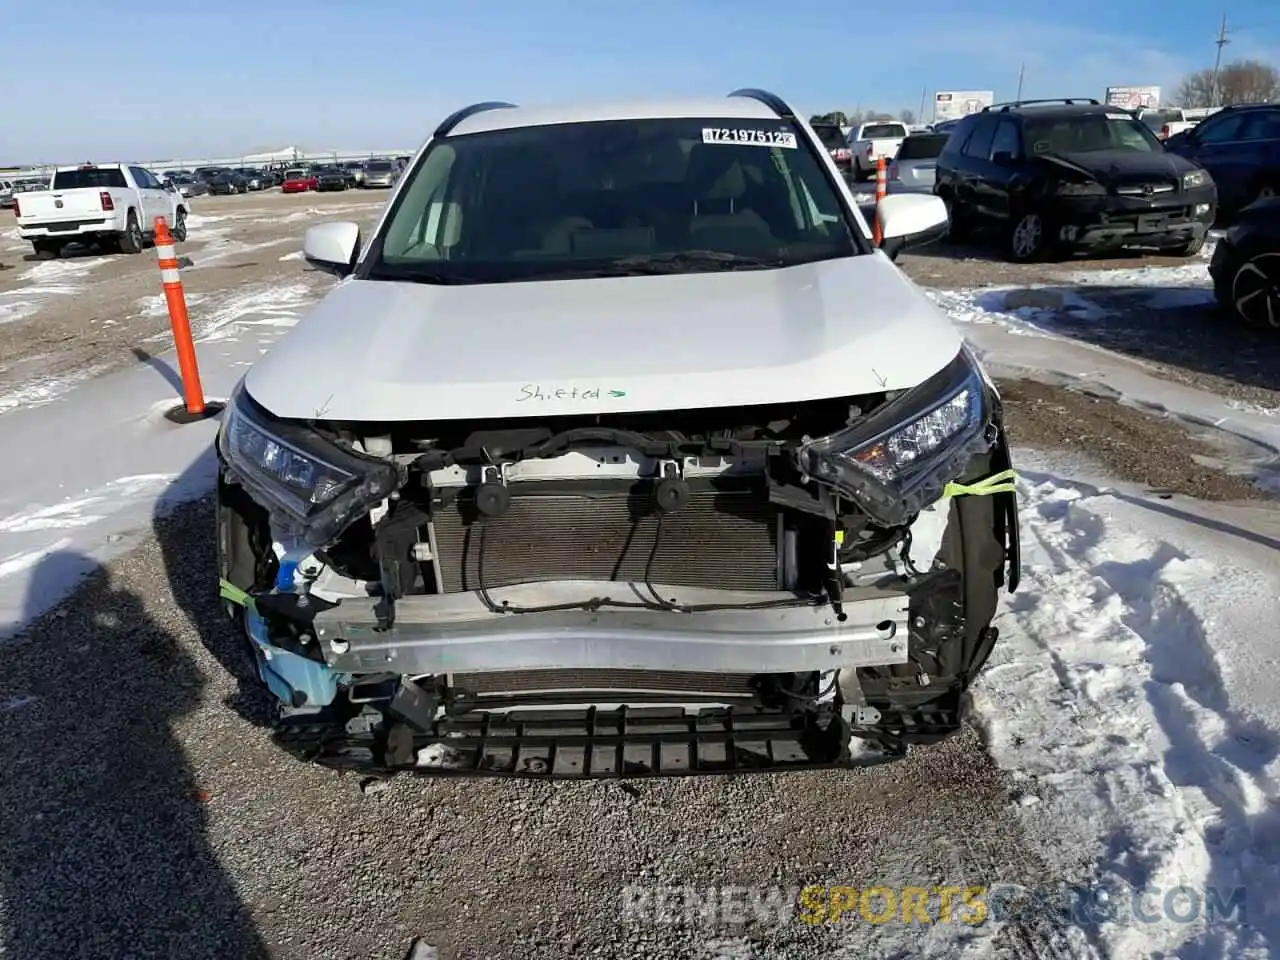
(1003, 482)
(233, 593)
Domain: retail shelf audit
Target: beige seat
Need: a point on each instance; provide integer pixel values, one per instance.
(730, 225)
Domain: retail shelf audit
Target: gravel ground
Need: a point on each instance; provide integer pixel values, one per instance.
(1159, 452)
(144, 813)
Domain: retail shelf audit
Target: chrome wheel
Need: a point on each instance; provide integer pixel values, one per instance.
(1028, 235)
(1255, 291)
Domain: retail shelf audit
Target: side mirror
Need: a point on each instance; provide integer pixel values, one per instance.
(910, 220)
(332, 247)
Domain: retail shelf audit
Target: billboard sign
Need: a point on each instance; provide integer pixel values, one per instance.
(954, 104)
(1133, 98)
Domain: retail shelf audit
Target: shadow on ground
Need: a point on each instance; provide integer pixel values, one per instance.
(1176, 326)
(103, 849)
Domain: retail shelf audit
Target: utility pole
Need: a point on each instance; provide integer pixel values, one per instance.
(1022, 68)
(924, 91)
(1221, 42)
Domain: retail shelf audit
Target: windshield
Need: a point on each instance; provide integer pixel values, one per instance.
(830, 136)
(926, 147)
(586, 199)
(294, 174)
(1090, 133)
(95, 177)
(378, 166)
(883, 131)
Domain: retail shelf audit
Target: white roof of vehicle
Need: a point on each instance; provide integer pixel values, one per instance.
(737, 108)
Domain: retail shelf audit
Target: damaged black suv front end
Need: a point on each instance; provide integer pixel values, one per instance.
(672, 592)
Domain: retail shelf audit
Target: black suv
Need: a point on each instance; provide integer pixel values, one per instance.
(1240, 147)
(1053, 177)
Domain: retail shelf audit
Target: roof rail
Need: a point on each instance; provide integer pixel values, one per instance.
(1005, 107)
(770, 100)
(458, 116)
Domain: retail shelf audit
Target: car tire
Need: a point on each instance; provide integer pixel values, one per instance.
(1028, 238)
(958, 230)
(1253, 293)
(180, 226)
(47, 249)
(131, 240)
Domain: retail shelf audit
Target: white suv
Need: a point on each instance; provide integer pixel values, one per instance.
(619, 449)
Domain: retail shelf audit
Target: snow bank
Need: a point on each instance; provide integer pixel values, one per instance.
(1135, 694)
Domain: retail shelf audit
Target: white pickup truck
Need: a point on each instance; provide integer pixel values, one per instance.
(871, 141)
(113, 205)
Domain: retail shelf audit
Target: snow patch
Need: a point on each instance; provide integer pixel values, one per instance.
(156, 305)
(271, 306)
(1194, 273)
(296, 255)
(1134, 692)
(84, 510)
(61, 270)
(44, 390)
(21, 562)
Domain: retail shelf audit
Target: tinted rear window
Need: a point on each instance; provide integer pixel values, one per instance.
(97, 177)
(926, 147)
(883, 131)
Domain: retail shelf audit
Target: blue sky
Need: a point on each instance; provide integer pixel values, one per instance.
(100, 78)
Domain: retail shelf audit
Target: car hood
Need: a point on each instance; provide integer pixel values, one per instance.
(1108, 166)
(387, 351)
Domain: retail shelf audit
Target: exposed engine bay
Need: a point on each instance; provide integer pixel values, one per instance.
(690, 591)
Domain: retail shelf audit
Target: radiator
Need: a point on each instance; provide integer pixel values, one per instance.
(720, 539)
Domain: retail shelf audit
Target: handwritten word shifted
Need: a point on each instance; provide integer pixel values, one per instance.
(536, 391)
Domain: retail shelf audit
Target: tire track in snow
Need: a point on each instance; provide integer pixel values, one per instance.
(1109, 695)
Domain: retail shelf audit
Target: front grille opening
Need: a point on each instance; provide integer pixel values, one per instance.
(725, 537)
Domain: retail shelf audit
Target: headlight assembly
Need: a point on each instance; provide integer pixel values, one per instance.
(897, 460)
(1196, 178)
(315, 487)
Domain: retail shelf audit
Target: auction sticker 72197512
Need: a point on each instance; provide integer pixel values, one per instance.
(753, 137)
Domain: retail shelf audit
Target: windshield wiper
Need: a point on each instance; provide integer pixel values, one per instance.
(688, 261)
(419, 275)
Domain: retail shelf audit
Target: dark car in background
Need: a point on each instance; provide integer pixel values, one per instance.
(254, 178)
(1246, 266)
(914, 166)
(188, 186)
(329, 179)
(381, 173)
(354, 170)
(837, 145)
(1052, 178)
(1240, 147)
(226, 183)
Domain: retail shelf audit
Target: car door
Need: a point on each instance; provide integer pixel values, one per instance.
(1215, 145)
(1005, 171)
(151, 196)
(975, 162)
(1260, 152)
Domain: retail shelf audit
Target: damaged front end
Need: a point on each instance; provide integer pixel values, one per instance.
(625, 594)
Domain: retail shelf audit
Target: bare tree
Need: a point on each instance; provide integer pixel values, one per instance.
(835, 116)
(907, 116)
(1244, 81)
